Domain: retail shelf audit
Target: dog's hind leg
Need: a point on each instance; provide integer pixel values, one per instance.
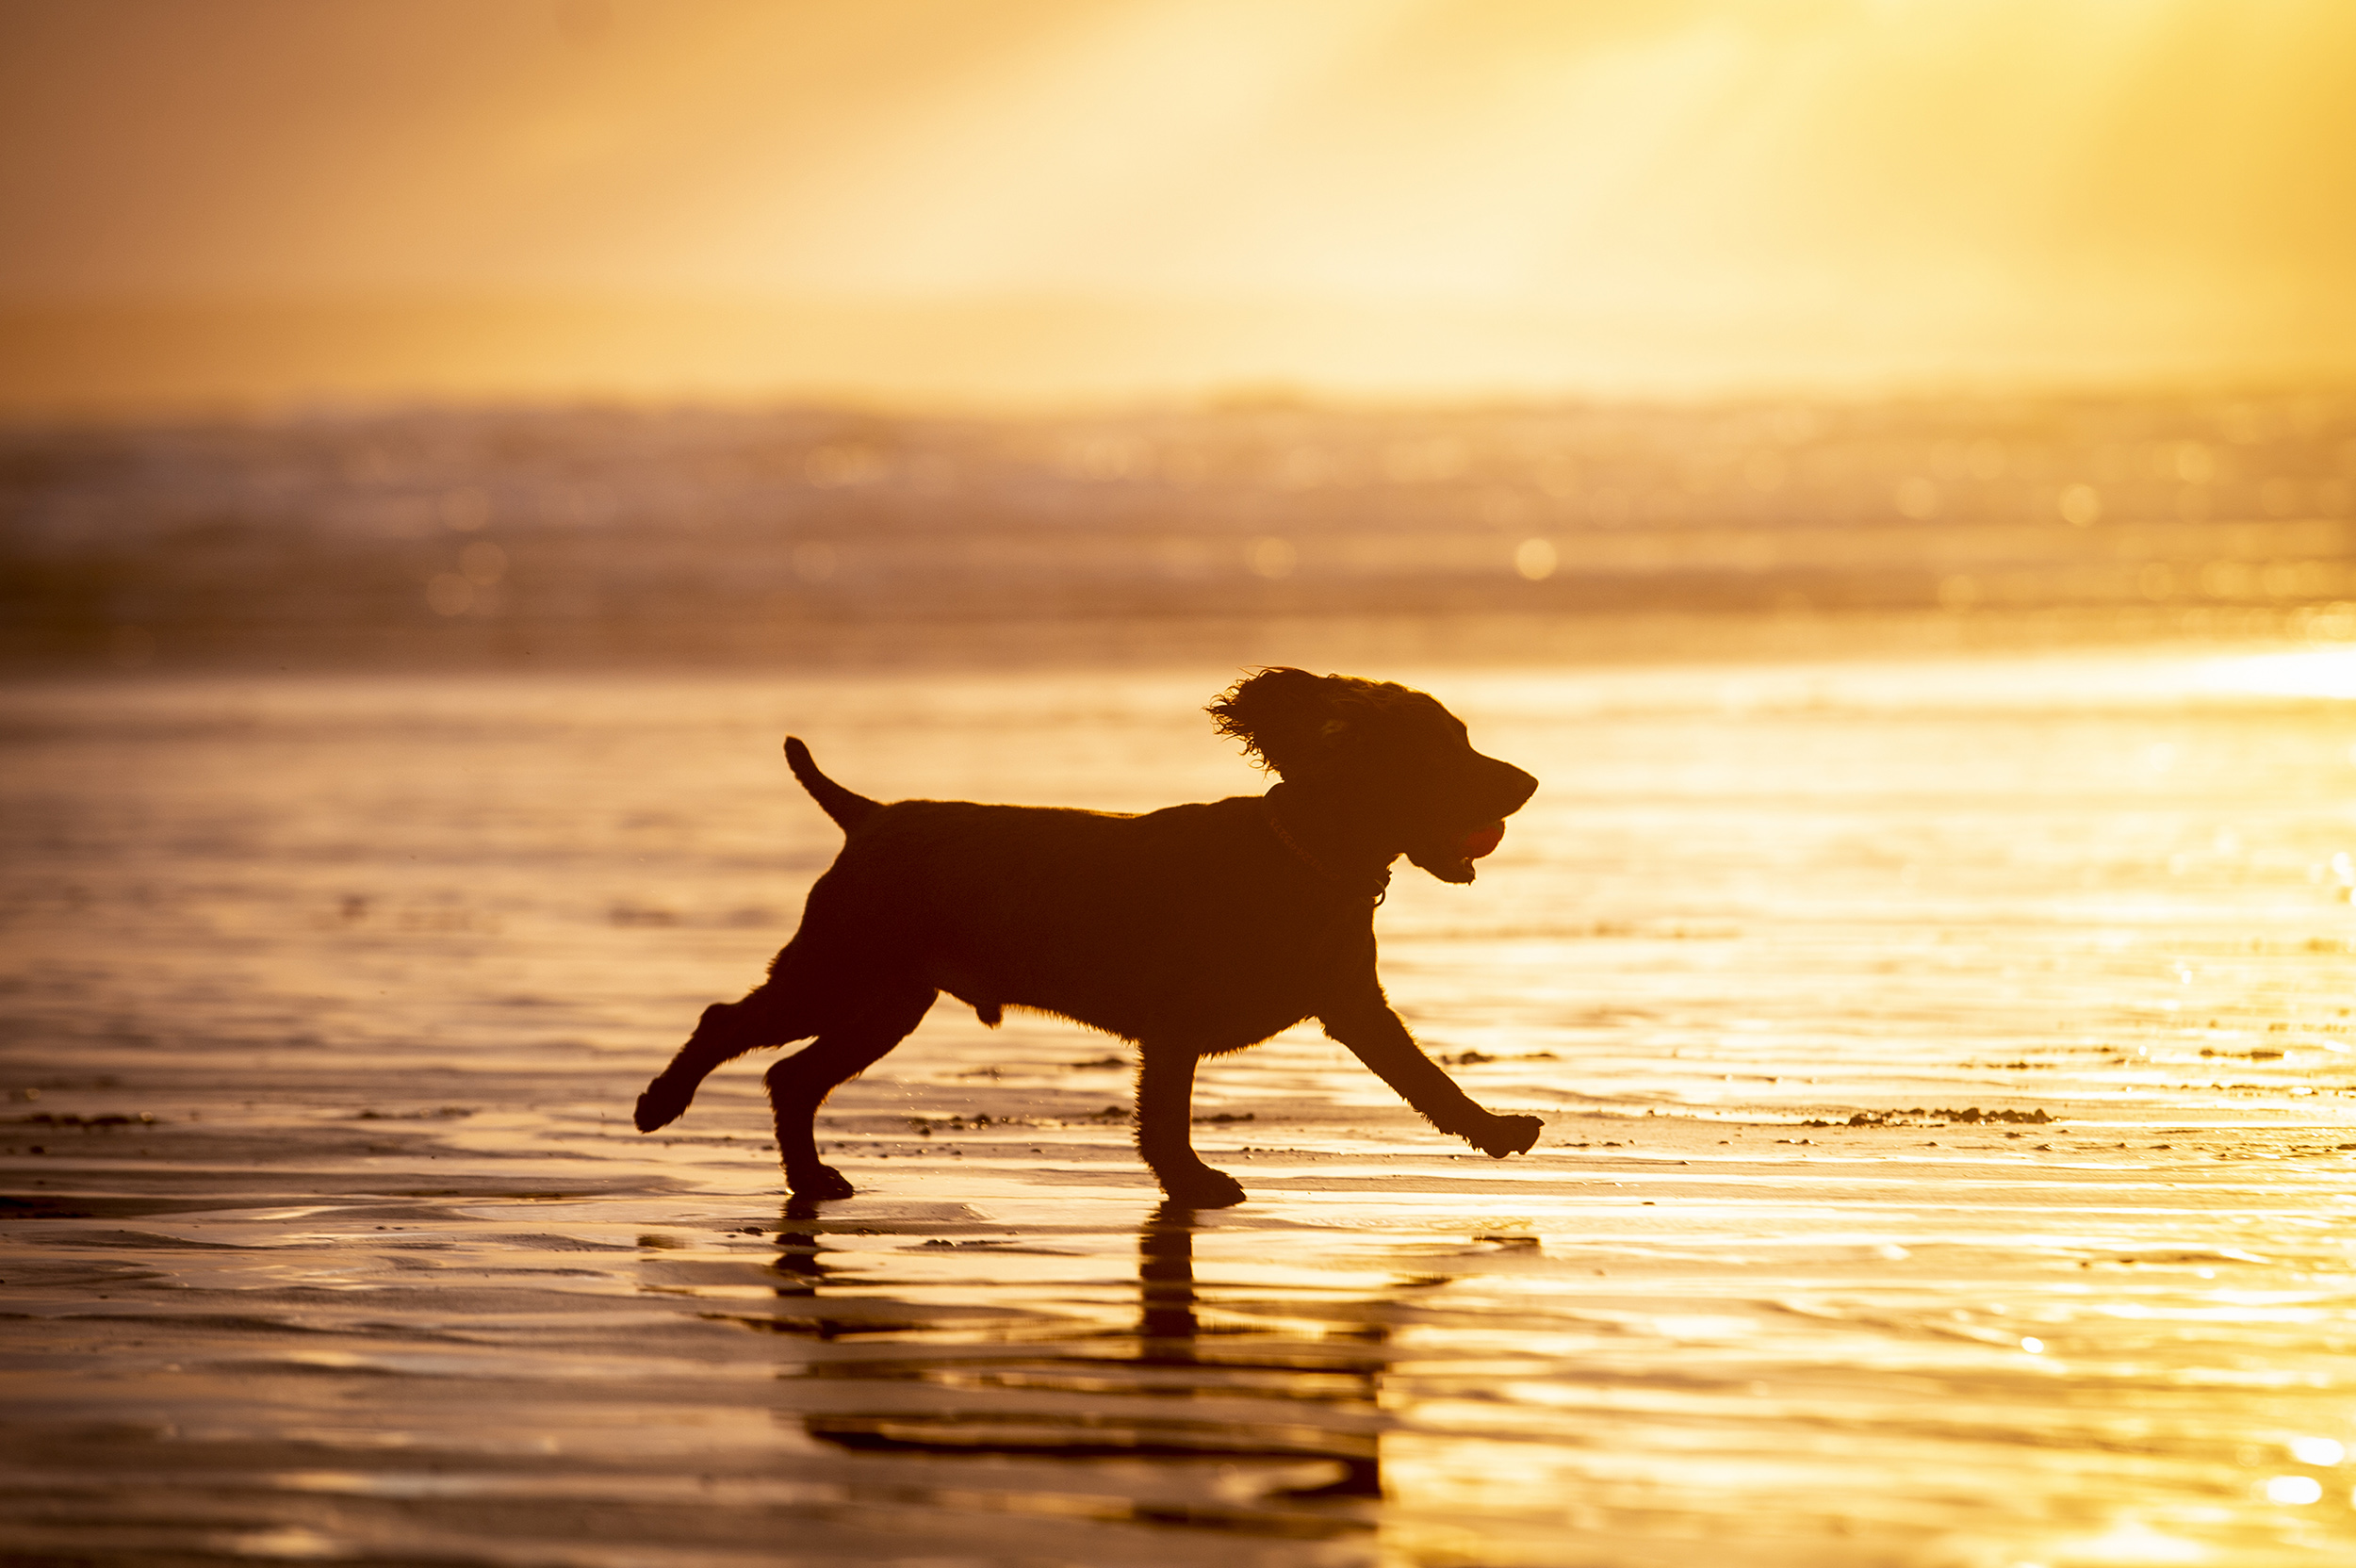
(1165, 1133)
(801, 1084)
(776, 1013)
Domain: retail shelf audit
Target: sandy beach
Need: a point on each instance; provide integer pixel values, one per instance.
(1949, 1162)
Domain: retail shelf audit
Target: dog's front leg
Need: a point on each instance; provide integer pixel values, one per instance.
(1376, 1037)
(1166, 1130)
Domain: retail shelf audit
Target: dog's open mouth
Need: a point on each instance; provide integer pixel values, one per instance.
(1452, 860)
(1482, 840)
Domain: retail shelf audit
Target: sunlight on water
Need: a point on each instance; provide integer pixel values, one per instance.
(1947, 1070)
(2322, 673)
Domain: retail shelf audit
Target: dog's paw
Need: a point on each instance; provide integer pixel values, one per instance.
(824, 1182)
(659, 1106)
(1203, 1188)
(1507, 1134)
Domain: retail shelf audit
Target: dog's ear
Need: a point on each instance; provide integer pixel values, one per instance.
(1285, 717)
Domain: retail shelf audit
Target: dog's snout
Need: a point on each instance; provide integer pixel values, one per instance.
(1509, 787)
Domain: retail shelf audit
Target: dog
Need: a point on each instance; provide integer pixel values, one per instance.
(1192, 931)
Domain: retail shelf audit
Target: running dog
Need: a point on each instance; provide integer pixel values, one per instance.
(1191, 931)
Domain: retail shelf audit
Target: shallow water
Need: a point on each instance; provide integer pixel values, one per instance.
(328, 1237)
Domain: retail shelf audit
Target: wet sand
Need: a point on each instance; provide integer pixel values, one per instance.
(1947, 1069)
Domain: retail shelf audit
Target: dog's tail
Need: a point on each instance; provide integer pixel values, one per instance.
(847, 809)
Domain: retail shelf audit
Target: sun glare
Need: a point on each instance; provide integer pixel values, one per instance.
(1376, 196)
(2317, 673)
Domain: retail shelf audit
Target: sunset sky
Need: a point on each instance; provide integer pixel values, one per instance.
(1047, 198)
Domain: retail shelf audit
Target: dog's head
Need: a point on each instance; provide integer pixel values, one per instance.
(1391, 761)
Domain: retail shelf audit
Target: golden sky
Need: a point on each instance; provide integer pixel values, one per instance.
(1036, 197)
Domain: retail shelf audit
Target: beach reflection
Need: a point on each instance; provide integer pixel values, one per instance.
(1161, 1392)
(1947, 1069)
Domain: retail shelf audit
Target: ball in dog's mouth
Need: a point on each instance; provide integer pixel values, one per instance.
(1451, 859)
(1482, 840)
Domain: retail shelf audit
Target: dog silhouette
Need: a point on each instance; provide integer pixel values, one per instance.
(1192, 931)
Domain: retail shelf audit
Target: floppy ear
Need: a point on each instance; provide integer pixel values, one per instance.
(1284, 717)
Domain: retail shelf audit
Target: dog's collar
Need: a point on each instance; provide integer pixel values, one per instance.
(1375, 896)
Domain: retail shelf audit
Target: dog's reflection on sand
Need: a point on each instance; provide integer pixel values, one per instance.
(1173, 1388)
(1169, 1334)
